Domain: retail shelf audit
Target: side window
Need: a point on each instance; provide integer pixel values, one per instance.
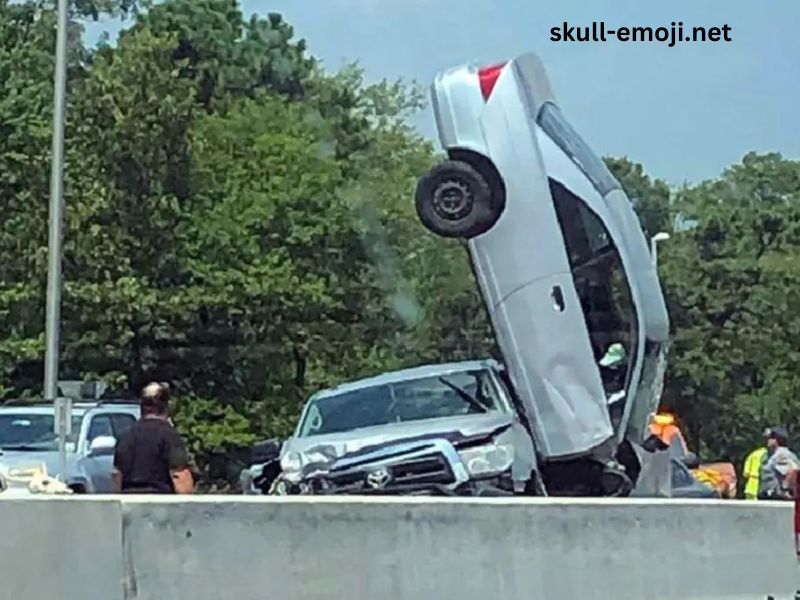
(121, 422)
(485, 388)
(602, 286)
(101, 425)
(561, 132)
(314, 420)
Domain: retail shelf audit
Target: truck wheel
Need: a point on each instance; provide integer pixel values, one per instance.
(453, 200)
(615, 482)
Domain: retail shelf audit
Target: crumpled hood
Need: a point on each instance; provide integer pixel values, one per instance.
(324, 449)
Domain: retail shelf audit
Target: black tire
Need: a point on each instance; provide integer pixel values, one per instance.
(454, 200)
(615, 483)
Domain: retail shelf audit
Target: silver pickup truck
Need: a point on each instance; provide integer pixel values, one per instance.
(447, 429)
(441, 429)
(27, 440)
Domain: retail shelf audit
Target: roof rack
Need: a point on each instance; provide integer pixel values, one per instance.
(82, 390)
(108, 397)
(38, 402)
(26, 402)
(95, 392)
(120, 400)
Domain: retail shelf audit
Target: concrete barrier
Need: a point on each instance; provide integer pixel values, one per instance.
(251, 548)
(60, 549)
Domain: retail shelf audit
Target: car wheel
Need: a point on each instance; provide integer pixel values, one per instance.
(454, 200)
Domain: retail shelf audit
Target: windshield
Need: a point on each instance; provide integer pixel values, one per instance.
(34, 432)
(451, 395)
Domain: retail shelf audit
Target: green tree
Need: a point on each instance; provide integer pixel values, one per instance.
(729, 277)
(229, 210)
(27, 37)
(226, 56)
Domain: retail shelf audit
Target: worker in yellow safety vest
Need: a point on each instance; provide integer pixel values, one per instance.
(752, 472)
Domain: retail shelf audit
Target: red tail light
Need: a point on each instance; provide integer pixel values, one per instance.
(488, 78)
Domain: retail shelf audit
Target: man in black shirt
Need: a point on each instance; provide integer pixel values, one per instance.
(151, 457)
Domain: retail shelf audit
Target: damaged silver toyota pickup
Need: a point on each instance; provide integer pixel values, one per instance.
(440, 429)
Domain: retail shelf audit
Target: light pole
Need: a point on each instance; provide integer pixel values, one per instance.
(54, 248)
(661, 236)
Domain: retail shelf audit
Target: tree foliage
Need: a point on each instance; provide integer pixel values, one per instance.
(729, 272)
(731, 275)
(237, 221)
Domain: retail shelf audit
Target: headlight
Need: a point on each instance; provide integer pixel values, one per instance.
(488, 460)
(292, 466)
(297, 466)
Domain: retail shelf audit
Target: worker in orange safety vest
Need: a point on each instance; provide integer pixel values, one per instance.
(664, 427)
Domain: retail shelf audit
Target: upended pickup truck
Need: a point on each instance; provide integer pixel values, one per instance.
(575, 303)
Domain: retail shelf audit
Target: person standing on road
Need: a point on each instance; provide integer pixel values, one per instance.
(778, 464)
(752, 472)
(151, 457)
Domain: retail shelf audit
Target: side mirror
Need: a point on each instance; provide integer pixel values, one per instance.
(264, 451)
(102, 445)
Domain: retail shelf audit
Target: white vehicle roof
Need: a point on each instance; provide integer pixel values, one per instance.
(37, 409)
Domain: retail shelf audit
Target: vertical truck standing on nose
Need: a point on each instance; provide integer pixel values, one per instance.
(563, 266)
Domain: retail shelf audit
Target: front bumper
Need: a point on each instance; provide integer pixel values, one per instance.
(426, 467)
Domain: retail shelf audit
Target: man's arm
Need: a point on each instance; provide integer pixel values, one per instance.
(791, 481)
(179, 468)
(116, 481)
(120, 458)
(183, 481)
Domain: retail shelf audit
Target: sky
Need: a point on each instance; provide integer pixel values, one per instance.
(685, 113)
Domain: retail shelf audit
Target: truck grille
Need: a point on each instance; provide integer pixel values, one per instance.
(432, 470)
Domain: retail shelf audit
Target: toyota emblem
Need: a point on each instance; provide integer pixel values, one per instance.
(378, 479)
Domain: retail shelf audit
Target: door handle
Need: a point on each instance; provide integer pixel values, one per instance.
(558, 298)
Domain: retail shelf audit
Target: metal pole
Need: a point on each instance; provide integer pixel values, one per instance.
(661, 236)
(53, 309)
